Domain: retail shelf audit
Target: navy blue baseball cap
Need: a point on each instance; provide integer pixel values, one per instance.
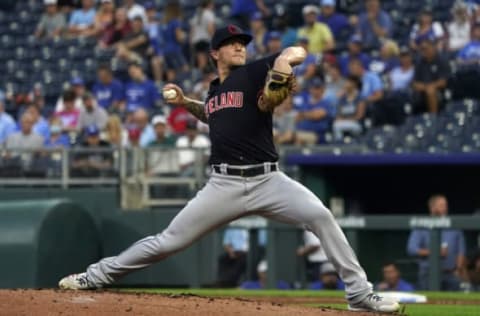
(228, 32)
(92, 130)
(273, 35)
(77, 81)
(316, 82)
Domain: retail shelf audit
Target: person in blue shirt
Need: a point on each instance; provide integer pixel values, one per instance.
(232, 264)
(40, 126)
(392, 280)
(306, 70)
(315, 113)
(140, 92)
(355, 48)
(289, 34)
(452, 249)
(82, 20)
(470, 54)
(261, 283)
(372, 86)
(328, 279)
(7, 123)
(108, 91)
(374, 24)
(242, 10)
(337, 22)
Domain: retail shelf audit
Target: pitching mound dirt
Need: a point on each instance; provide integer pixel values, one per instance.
(56, 302)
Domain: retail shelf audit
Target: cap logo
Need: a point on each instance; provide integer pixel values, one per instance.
(232, 29)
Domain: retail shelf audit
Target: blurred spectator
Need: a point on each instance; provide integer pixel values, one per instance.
(400, 78)
(92, 114)
(374, 24)
(306, 70)
(337, 22)
(82, 20)
(431, 75)
(314, 254)
(134, 46)
(334, 79)
(162, 161)
(392, 280)
(388, 60)
(37, 96)
(91, 160)
(104, 17)
(134, 136)
(273, 42)
(155, 51)
(190, 144)
(459, 28)
(320, 38)
(289, 34)
(56, 136)
(56, 141)
(315, 113)
(117, 30)
(78, 89)
(52, 22)
(200, 89)
(7, 123)
(140, 92)
(284, 123)
(351, 110)
(426, 28)
(174, 37)
(40, 125)
(355, 50)
(70, 114)
(232, 264)
(473, 270)
(261, 283)
(134, 9)
(259, 31)
(141, 123)
(452, 250)
(470, 54)
(109, 91)
(202, 27)
(178, 118)
(242, 10)
(328, 279)
(114, 132)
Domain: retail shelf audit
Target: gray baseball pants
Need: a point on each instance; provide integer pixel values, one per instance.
(225, 198)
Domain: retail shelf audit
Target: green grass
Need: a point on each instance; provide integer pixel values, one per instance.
(410, 309)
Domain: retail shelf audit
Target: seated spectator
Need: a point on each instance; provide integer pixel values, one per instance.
(400, 77)
(351, 110)
(337, 22)
(273, 42)
(261, 283)
(314, 254)
(232, 263)
(162, 161)
(69, 115)
(458, 29)
(284, 123)
(91, 114)
(426, 28)
(7, 123)
(140, 92)
(134, 46)
(134, 9)
(355, 50)
(306, 70)
(431, 75)
(178, 118)
(259, 30)
(392, 280)
(289, 33)
(82, 21)
(242, 10)
(328, 279)
(314, 114)
(334, 78)
(388, 60)
(91, 160)
(470, 54)
(202, 27)
(190, 144)
(56, 138)
(174, 37)
(140, 122)
(320, 38)
(155, 51)
(117, 30)
(78, 88)
(373, 25)
(452, 251)
(40, 125)
(109, 91)
(104, 17)
(52, 22)
(114, 132)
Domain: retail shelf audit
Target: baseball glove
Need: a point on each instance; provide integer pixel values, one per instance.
(278, 86)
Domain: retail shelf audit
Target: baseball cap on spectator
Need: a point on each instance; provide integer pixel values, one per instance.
(310, 8)
(355, 39)
(273, 35)
(255, 16)
(327, 3)
(77, 81)
(49, 2)
(316, 82)
(262, 266)
(92, 130)
(327, 268)
(149, 5)
(159, 119)
(229, 32)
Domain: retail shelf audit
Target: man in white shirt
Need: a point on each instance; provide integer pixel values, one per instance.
(135, 9)
(192, 140)
(314, 253)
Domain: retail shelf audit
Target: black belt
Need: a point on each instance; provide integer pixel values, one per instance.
(245, 172)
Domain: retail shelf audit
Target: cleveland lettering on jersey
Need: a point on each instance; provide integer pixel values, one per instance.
(224, 100)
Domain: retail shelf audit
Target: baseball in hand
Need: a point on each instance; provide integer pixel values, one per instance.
(169, 94)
